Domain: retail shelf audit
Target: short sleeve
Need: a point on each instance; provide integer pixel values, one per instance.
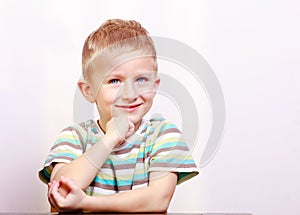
(68, 146)
(170, 153)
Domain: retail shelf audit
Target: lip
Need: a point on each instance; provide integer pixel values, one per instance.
(129, 108)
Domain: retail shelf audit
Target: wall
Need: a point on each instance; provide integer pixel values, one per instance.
(253, 47)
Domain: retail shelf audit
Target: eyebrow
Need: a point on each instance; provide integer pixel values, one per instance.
(114, 73)
(120, 74)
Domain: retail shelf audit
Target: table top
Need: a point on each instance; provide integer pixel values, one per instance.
(24, 213)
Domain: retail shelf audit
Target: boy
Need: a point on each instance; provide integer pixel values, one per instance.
(121, 162)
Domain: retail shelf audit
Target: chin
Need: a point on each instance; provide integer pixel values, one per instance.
(136, 119)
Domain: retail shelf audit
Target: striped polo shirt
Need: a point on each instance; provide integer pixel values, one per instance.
(156, 146)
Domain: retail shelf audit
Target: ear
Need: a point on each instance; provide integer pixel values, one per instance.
(156, 83)
(86, 90)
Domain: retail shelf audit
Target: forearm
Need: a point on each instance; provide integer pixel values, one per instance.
(154, 198)
(139, 200)
(85, 168)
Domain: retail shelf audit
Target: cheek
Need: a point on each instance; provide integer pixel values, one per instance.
(106, 100)
(105, 105)
(107, 96)
(148, 97)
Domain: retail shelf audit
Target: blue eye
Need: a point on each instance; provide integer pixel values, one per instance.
(114, 81)
(141, 80)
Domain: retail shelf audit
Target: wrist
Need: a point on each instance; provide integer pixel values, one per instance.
(111, 140)
(98, 153)
(85, 204)
(92, 204)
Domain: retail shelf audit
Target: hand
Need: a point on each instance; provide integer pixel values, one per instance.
(70, 200)
(119, 128)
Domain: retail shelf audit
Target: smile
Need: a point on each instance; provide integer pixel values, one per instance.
(129, 108)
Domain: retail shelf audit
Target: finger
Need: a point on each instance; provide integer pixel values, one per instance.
(50, 187)
(51, 197)
(116, 112)
(52, 202)
(55, 196)
(69, 183)
(55, 186)
(120, 125)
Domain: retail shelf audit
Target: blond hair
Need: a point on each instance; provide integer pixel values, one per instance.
(118, 37)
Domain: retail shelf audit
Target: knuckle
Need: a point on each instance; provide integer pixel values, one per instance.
(61, 207)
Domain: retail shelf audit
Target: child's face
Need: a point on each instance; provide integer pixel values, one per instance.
(128, 89)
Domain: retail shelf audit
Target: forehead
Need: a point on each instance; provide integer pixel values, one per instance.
(126, 64)
(134, 66)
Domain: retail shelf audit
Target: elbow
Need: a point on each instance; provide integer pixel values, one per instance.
(162, 208)
(162, 204)
(155, 204)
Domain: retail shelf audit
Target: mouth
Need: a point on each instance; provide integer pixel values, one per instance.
(129, 108)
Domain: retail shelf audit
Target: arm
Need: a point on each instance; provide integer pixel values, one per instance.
(84, 169)
(81, 170)
(154, 198)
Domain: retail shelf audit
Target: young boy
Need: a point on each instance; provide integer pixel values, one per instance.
(120, 162)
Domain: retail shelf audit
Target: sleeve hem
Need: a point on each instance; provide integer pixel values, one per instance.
(184, 174)
(45, 173)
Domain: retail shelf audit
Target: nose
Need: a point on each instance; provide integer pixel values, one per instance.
(128, 91)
